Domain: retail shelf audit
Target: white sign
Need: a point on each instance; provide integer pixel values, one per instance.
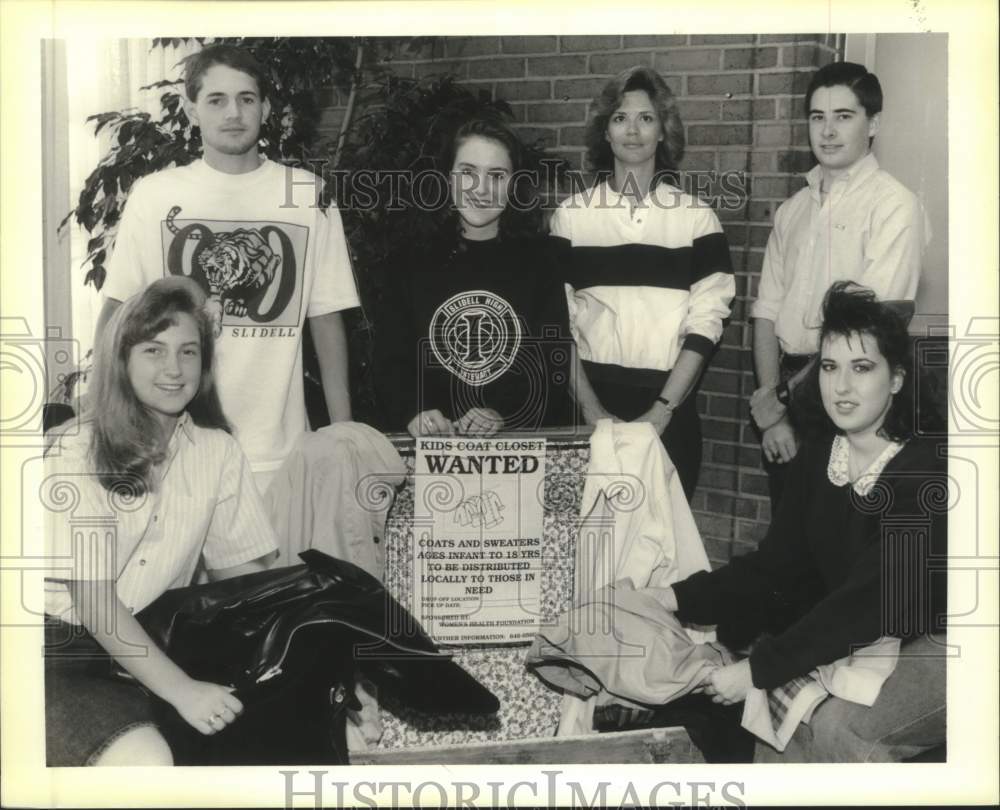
(477, 538)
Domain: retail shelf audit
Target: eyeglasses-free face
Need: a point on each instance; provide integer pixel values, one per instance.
(839, 128)
(229, 111)
(856, 383)
(165, 371)
(479, 183)
(634, 131)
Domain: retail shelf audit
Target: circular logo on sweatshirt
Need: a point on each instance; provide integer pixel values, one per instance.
(475, 335)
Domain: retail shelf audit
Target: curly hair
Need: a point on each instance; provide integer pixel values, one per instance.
(127, 439)
(669, 151)
(848, 310)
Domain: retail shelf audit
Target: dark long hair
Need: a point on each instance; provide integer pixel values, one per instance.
(669, 151)
(127, 440)
(850, 309)
(522, 216)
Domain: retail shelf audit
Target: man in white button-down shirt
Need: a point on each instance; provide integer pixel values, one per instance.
(852, 221)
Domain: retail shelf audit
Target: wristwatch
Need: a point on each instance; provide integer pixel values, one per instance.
(670, 405)
(783, 393)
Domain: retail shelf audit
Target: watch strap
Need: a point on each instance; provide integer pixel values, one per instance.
(782, 392)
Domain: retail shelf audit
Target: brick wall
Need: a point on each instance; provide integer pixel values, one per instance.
(741, 103)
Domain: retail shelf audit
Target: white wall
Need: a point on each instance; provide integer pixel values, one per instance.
(87, 76)
(912, 144)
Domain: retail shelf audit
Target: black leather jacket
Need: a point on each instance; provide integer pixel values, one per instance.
(292, 642)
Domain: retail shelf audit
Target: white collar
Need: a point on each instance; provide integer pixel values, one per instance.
(837, 469)
(185, 425)
(847, 180)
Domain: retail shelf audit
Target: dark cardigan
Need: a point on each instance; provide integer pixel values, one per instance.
(836, 570)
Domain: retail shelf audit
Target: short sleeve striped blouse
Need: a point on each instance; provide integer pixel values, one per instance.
(206, 504)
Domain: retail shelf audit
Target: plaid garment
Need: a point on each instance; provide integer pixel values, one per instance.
(781, 699)
(774, 715)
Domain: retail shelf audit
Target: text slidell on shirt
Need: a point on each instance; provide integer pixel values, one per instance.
(264, 332)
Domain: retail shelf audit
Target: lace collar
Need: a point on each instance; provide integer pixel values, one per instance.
(837, 469)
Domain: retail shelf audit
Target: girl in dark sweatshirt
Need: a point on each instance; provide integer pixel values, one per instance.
(472, 333)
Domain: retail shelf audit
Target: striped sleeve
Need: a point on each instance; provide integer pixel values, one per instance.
(712, 285)
(78, 550)
(240, 530)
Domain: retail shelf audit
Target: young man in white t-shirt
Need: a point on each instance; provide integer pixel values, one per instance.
(252, 233)
(852, 221)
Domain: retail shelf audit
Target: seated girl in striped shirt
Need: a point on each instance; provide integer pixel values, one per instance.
(155, 468)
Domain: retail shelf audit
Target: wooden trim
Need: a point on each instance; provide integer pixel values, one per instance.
(645, 746)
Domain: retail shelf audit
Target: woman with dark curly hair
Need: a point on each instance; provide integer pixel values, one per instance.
(472, 334)
(850, 555)
(650, 271)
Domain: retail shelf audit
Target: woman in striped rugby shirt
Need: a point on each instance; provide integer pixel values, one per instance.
(650, 271)
(154, 461)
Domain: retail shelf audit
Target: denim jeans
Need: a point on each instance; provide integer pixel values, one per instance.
(907, 718)
(86, 707)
